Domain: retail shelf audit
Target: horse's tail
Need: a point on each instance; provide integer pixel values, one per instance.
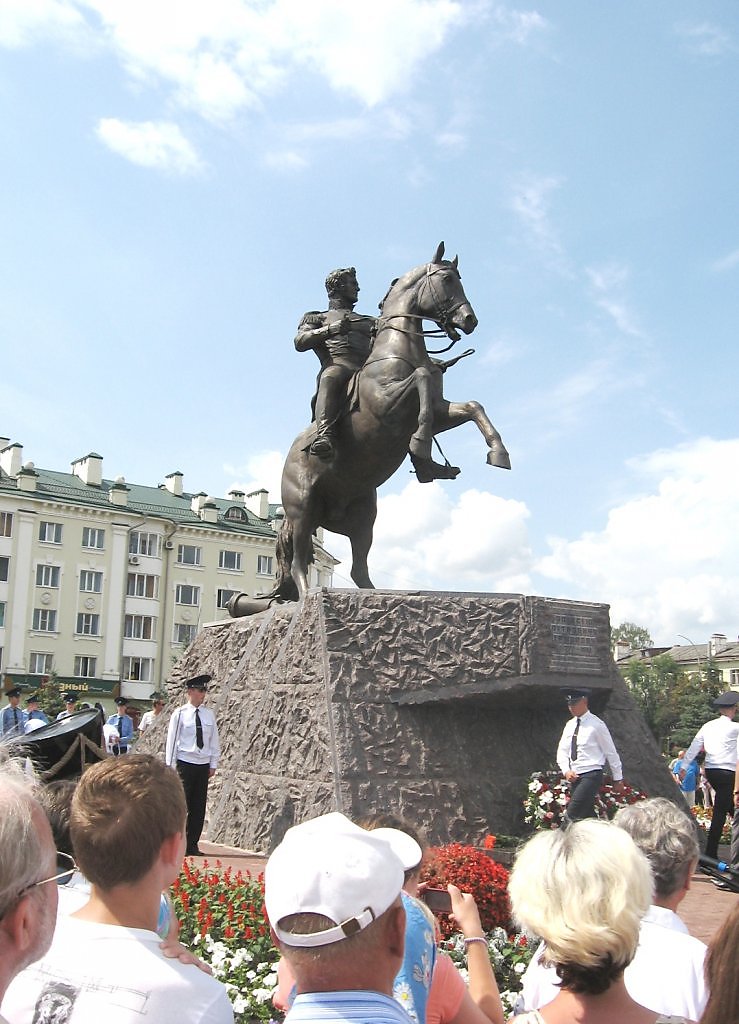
(285, 589)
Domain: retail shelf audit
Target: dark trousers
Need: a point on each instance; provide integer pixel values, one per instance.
(583, 792)
(723, 805)
(195, 783)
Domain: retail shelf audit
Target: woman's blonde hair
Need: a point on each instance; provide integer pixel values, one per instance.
(584, 891)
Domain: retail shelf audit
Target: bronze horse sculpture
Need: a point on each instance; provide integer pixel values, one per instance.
(398, 407)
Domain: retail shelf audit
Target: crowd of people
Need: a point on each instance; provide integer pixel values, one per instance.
(86, 931)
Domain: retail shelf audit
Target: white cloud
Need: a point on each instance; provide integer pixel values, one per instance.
(705, 39)
(23, 22)
(159, 144)
(530, 201)
(519, 26)
(667, 558)
(426, 540)
(608, 284)
(285, 160)
(727, 262)
(263, 470)
(222, 57)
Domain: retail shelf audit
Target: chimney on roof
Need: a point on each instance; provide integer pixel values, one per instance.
(11, 458)
(27, 477)
(173, 483)
(118, 493)
(716, 644)
(196, 501)
(258, 503)
(209, 511)
(89, 469)
(236, 495)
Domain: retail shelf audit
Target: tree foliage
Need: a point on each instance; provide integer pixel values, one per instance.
(629, 633)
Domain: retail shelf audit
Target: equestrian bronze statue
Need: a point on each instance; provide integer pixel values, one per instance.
(395, 406)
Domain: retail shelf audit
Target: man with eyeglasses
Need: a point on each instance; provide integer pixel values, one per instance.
(28, 875)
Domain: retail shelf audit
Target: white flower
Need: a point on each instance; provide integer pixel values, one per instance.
(546, 798)
(519, 968)
(240, 1004)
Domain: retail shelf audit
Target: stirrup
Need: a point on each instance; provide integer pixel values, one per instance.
(427, 470)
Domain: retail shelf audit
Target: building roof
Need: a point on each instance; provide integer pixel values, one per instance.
(156, 502)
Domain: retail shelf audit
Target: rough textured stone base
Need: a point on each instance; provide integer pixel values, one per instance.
(436, 707)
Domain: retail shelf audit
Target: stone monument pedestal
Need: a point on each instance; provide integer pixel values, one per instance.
(432, 706)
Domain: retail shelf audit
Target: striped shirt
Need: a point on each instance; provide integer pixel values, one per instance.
(359, 1007)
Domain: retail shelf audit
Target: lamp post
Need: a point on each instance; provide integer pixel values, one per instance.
(697, 655)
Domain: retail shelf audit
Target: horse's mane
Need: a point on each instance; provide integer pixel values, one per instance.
(407, 280)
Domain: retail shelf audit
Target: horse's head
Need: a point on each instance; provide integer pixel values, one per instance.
(441, 296)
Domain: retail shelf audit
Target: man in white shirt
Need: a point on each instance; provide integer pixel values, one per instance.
(105, 963)
(194, 749)
(584, 748)
(28, 873)
(666, 975)
(719, 740)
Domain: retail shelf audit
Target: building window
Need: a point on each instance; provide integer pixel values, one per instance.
(142, 585)
(93, 538)
(50, 533)
(2, 613)
(6, 524)
(139, 627)
(88, 624)
(734, 677)
(185, 594)
(40, 664)
(91, 581)
(85, 667)
(47, 576)
(4, 569)
(223, 596)
(138, 670)
(236, 515)
(187, 554)
(44, 620)
(229, 560)
(142, 543)
(264, 565)
(184, 633)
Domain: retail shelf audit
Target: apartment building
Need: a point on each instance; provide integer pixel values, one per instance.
(106, 582)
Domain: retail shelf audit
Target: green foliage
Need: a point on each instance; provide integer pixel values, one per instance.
(629, 633)
(652, 683)
(49, 696)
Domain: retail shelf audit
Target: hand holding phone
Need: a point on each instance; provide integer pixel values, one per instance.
(437, 900)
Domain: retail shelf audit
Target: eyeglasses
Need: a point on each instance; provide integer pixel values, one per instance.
(61, 876)
(69, 869)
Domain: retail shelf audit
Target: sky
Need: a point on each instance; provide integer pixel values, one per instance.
(178, 177)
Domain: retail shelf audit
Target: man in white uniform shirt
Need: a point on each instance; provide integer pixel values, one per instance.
(193, 748)
(583, 750)
(719, 740)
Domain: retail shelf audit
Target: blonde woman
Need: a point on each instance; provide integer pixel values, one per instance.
(584, 891)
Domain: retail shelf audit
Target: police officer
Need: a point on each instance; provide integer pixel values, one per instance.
(584, 748)
(123, 724)
(13, 718)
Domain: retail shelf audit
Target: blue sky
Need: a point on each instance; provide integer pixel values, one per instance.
(177, 178)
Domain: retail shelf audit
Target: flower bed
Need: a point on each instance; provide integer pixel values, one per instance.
(704, 816)
(549, 793)
(509, 955)
(221, 916)
(472, 870)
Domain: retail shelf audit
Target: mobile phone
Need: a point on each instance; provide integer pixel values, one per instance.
(437, 900)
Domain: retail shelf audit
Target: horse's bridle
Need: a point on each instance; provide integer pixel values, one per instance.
(442, 316)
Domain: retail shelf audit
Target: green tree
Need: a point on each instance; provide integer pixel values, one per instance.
(629, 633)
(651, 682)
(49, 696)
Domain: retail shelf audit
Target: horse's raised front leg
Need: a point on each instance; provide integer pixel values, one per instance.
(452, 414)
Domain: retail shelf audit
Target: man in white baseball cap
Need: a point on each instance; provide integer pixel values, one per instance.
(332, 892)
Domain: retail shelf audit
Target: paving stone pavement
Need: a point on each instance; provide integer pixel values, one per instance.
(703, 910)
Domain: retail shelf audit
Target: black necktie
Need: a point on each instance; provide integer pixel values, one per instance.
(573, 745)
(198, 730)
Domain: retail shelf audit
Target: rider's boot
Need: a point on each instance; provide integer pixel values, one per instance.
(322, 447)
(427, 470)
